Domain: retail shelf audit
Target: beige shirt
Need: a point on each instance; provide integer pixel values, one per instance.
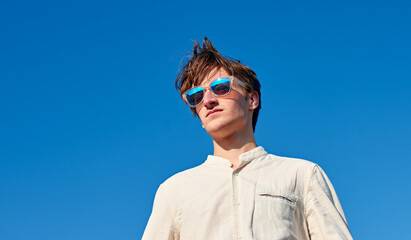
(266, 197)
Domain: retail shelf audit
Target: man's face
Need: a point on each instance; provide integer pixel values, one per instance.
(224, 115)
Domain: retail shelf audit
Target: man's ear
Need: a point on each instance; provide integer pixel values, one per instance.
(253, 100)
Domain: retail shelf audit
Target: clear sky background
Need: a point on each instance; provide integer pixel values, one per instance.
(90, 122)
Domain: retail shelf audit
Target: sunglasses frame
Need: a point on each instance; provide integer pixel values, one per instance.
(231, 78)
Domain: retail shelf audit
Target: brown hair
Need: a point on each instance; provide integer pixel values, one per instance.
(206, 58)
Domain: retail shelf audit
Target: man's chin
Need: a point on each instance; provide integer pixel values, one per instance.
(217, 131)
(213, 129)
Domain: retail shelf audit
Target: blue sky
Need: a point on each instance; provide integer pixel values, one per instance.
(91, 124)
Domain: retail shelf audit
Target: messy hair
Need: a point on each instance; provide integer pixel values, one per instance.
(206, 58)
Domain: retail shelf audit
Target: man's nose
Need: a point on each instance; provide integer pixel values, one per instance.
(209, 100)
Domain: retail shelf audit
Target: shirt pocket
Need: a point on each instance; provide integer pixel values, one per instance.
(279, 204)
(274, 213)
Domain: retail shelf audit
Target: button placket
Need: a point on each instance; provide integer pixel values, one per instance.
(235, 203)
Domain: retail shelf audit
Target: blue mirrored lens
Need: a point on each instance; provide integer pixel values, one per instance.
(221, 86)
(195, 96)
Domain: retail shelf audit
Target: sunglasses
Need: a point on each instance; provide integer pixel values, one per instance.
(218, 87)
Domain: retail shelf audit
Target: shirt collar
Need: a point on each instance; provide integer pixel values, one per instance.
(244, 157)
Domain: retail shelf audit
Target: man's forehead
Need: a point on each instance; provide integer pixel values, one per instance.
(212, 75)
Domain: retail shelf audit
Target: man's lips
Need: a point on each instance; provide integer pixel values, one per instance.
(213, 111)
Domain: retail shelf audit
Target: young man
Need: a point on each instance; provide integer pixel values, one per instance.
(240, 192)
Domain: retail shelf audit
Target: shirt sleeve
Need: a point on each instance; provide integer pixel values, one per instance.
(324, 215)
(162, 224)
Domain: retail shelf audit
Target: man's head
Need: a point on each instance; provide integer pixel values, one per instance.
(207, 64)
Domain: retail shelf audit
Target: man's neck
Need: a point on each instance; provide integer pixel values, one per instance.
(232, 147)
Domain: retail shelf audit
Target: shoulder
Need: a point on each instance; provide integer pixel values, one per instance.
(179, 188)
(290, 164)
(287, 170)
(309, 174)
(175, 182)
